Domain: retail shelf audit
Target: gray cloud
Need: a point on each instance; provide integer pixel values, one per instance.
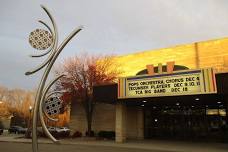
(113, 26)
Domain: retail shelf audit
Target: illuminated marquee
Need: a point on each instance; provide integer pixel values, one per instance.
(168, 84)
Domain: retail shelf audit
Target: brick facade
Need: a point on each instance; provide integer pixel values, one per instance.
(103, 118)
(213, 53)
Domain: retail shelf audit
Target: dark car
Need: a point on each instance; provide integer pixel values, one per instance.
(1, 131)
(17, 130)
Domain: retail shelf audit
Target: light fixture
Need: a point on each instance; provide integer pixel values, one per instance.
(154, 107)
(192, 106)
(144, 101)
(219, 102)
(177, 103)
(155, 120)
(1, 102)
(197, 99)
(30, 107)
(142, 105)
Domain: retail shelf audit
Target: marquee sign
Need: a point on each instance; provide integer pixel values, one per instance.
(168, 84)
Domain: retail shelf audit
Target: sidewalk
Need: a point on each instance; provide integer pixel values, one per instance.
(163, 145)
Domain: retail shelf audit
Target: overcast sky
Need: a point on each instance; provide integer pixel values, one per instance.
(111, 27)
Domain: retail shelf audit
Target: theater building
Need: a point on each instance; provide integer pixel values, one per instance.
(179, 92)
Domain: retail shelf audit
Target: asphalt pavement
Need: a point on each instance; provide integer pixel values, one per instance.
(16, 143)
(26, 147)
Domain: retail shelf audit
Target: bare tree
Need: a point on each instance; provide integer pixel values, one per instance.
(82, 73)
(16, 102)
(3, 93)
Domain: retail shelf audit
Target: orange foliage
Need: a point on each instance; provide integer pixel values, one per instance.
(82, 73)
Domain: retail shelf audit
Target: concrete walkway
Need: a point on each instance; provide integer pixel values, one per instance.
(160, 145)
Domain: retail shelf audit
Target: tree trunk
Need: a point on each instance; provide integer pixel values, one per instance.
(88, 105)
(89, 125)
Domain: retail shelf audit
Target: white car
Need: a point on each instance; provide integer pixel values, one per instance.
(52, 129)
(59, 131)
(63, 129)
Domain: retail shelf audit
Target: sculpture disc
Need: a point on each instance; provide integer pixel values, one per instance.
(40, 39)
(53, 106)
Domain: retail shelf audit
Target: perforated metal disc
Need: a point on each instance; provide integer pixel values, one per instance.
(53, 105)
(40, 39)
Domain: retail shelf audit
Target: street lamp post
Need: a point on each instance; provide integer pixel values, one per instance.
(46, 39)
(28, 133)
(30, 117)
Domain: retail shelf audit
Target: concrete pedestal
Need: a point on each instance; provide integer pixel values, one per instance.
(120, 123)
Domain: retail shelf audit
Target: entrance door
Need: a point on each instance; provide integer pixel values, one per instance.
(177, 122)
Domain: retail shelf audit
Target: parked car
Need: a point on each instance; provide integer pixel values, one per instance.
(52, 129)
(59, 131)
(1, 131)
(63, 131)
(17, 130)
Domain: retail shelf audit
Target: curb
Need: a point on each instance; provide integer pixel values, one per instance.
(176, 147)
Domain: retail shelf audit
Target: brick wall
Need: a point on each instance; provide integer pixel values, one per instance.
(103, 118)
(77, 118)
(213, 53)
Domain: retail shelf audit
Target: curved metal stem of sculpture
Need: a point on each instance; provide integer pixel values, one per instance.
(52, 49)
(41, 92)
(54, 92)
(41, 109)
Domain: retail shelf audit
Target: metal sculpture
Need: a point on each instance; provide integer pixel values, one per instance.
(46, 104)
